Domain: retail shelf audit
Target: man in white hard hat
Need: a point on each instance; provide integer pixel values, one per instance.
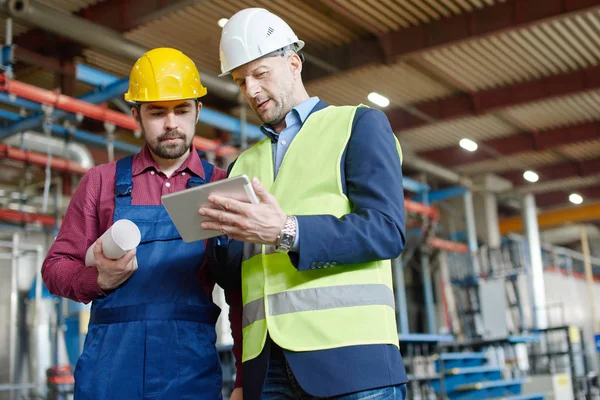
(318, 319)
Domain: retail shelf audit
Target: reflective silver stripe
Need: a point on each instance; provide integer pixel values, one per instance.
(253, 311)
(322, 298)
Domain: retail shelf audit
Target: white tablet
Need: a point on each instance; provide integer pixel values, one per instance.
(183, 206)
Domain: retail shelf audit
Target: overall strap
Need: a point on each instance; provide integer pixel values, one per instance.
(123, 183)
(208, 171)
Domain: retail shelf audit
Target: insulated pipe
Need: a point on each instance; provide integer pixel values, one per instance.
(81, 136)
(40, 159)
(418, 163)
(40, 143)
(99, 37)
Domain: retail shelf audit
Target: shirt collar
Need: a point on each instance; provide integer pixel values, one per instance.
(144, 162)
(297, 115)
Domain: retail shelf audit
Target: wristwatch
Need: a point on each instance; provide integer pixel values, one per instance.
(285, 240)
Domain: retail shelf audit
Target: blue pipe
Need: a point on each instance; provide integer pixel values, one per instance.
(93, 76)
(438, 195)
(225, 122)
(414, 186)
(82, 136)
(9, 115)
(211, 117)
(95, 97)
(95, 139)
(19, 102)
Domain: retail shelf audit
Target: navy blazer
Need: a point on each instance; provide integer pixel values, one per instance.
(372, 180)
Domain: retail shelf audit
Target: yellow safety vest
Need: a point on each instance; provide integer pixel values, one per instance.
(325, 308)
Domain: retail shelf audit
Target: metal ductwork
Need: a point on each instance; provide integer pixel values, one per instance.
(412, 160)
(98, 37)
(41, 143)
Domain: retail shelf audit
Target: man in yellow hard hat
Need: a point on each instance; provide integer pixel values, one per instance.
(152, 325)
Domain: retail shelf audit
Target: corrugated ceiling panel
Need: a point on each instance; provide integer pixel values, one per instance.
(558, 46)
(562, 111)
(434, 136)
(381, 16)
(194, 29)
(400, 83)
(582, 151)
(508, 163)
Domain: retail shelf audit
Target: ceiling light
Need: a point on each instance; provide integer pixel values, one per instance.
(222, 22)
(468, 144)
(575, 198)
(531, 176)
(378, 99)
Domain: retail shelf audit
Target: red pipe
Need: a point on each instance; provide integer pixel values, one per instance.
(73, 105)
(57, 164)
(420, 208)
(447, 245)
(20, 217)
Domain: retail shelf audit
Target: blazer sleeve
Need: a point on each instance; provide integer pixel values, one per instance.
(372, 180)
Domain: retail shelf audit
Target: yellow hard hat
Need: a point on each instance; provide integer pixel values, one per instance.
(164, 74)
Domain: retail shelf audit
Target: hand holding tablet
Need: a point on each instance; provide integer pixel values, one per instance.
(183, 206)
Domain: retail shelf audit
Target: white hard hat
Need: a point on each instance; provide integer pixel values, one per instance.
(251, 34)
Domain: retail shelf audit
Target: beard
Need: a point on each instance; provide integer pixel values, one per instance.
(168, 150)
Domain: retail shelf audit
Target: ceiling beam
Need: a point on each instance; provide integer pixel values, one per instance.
(514, 144)
(115, 14)
(473, 104)
(553, 172)
(583, 213)
(390, 46)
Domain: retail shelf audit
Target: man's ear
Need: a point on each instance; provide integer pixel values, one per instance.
(295, 64)
(135, 113)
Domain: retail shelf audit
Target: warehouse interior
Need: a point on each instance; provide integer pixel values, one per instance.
(496, 104)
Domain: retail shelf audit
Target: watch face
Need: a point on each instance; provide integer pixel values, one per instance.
(287, 241)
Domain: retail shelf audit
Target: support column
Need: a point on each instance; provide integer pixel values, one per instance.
(589, 277)
(400, 292)
(428, 290)
(471, 231)
(492, 231)
(535, 271)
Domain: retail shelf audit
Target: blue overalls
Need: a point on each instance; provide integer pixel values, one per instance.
(154, 336)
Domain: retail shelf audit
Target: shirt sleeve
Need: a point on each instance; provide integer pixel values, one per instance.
(63, 270)
(373, 181)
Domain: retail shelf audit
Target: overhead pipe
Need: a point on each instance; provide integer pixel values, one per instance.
(30, 218)
(94, 97)
(412, 160)
(73, 105)
(56, 163)
(41, 143)
(99, 37)
(66, 103)
(79, 135)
